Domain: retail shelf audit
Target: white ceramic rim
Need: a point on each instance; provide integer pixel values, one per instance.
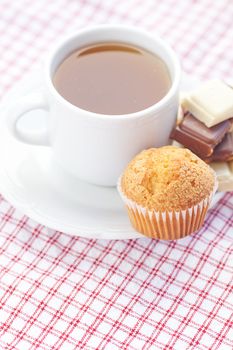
(123, 28)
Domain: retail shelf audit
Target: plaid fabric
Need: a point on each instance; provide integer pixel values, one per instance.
(58, 292)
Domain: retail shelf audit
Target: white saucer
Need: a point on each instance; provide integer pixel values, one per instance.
(33, 183)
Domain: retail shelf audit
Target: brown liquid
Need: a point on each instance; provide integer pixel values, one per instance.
(112, 79)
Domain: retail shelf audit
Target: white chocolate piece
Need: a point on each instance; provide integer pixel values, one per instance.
(177, 144)
(224, 172)
(180, 115)
(211, 103)
(183, 96)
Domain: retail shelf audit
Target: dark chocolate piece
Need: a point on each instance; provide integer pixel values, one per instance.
(224, 151)
(194, 135)
(213, 135)
(199, 147)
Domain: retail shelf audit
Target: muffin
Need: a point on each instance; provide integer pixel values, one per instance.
(167, 192)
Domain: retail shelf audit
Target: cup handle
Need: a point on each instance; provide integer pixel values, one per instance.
(18, 109)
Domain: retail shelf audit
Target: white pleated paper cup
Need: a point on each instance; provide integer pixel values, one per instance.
(166, 225)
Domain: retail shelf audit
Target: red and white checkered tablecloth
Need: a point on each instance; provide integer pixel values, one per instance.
(58, 292)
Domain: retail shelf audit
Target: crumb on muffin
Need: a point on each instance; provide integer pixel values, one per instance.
(167, 178)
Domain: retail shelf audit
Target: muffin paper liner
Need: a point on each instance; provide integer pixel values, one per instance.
(168, 225)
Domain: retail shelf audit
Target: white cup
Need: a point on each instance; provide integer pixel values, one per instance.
(96, 147)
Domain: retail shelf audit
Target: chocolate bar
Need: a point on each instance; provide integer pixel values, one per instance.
(224, 151)
(211, 103)
(224, 172)
(194, 135)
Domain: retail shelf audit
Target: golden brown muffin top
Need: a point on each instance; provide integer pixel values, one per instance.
(167, 178)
